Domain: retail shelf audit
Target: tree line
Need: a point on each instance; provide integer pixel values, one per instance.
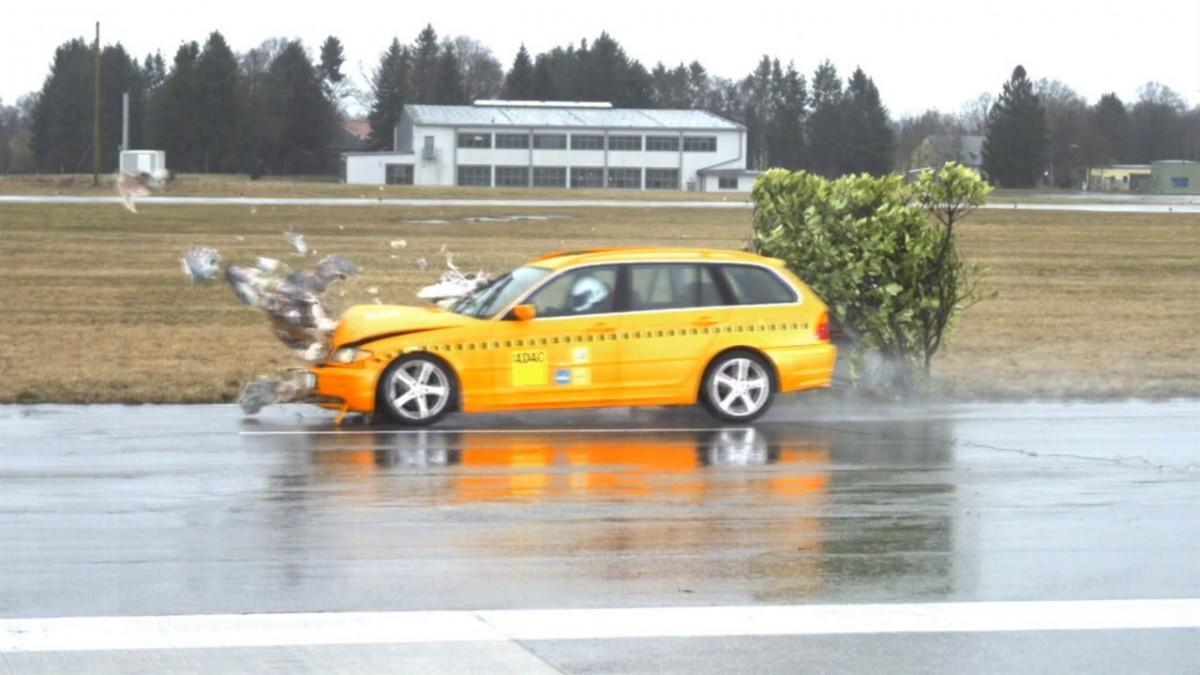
(277, 108)
(1045, 133)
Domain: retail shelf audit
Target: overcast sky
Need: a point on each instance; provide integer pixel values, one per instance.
(928, 53)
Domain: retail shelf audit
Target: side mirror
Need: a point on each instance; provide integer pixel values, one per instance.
(524, 312)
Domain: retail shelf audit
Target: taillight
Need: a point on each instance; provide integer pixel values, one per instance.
(823, 327)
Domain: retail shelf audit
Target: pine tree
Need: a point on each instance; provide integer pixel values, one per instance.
(826, 131)
(179, 114)
(301, 118)
(1015, 147)
(218, 120)
(424, 76)
(62, 115)
(332, 58)
(449, 84)
(518, 84)
(789, 148)
(543, 86)
(869, 139)
(390, 87)
(1110, 125)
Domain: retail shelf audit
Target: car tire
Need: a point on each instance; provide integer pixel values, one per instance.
(738, 386)
(416, 390)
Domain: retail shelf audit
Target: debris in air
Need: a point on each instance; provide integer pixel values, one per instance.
(267, 265)
(263, 392)
(397, 244)
(200, 263)
(299, 246)
(453, 284)
(422, 264)
(293, 303)
(131, 187)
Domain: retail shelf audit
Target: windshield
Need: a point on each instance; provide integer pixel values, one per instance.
(493, 297)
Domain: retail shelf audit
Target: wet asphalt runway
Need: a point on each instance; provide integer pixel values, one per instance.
(163, 511)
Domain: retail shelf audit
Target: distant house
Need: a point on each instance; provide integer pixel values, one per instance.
(1175, 176)
(351, 136)
(936, 150)
(1119, 178)
(558, 144)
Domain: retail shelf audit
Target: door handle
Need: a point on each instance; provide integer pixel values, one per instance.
(705, 321)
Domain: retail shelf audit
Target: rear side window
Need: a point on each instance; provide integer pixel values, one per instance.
(671, 286)
(757, 286)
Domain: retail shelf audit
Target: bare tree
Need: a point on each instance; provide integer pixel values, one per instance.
(481, 73)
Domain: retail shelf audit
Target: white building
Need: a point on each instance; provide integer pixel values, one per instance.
(558, 144)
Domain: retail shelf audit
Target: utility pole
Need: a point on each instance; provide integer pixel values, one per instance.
(96, 111)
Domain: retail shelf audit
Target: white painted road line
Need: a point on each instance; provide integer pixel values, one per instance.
(434, 432)
(350, 628)
(553, 203)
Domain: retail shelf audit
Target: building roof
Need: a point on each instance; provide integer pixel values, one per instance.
(566, 116)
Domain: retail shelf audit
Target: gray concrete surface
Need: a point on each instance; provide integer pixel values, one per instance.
(1093, 203)
(170, 510)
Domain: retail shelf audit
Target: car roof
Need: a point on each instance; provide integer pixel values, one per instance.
(632, 254)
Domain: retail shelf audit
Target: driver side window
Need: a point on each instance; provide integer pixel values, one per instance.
(590, 290)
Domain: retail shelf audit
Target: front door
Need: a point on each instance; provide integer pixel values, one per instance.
(568, 354)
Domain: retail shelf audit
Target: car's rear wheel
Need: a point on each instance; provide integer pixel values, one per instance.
(738, 387)
(416, 390)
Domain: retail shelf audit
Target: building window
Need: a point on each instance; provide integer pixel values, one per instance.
(474, 140)
(1179, 181)
(727, 183)
(699, 143)
(398, 174)
(662, 144)
(624, 142)
(587, 177)
(550, 141)
(550, 176)
(512, 141)
(662, 179)
(512, 176)
(625, 178)
(586, 142)
(469, 174)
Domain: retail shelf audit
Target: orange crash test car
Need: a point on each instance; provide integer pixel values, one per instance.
(593, 328)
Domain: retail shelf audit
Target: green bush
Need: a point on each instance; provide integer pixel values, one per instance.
(879, 251)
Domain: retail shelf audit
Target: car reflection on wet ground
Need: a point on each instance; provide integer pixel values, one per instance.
(152, 511)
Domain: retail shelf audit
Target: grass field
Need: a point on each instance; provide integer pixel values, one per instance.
(222, 185)
(95, 308)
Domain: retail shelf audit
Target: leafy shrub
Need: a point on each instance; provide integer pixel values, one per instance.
(879, 251)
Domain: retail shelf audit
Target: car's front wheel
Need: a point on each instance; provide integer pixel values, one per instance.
(737, 387)
(416, 390)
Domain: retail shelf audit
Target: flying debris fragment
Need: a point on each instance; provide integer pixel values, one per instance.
(299, 246)
(293, 303)
(267, 265)
(200, 263)
(263, 392)
(453, 284)
(131, 187)
(422, 264)
(398, 244)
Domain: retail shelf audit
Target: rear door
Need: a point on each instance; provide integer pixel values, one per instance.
(674, 313)
(568, 354)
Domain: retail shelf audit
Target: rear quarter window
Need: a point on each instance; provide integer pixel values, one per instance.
(757, 286)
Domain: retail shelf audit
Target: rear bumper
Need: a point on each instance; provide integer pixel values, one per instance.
(340, 387)
(804, 367)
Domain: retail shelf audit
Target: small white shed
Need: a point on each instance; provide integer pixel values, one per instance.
(153, 162)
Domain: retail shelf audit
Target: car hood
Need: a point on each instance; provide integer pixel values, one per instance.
(364, 322)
